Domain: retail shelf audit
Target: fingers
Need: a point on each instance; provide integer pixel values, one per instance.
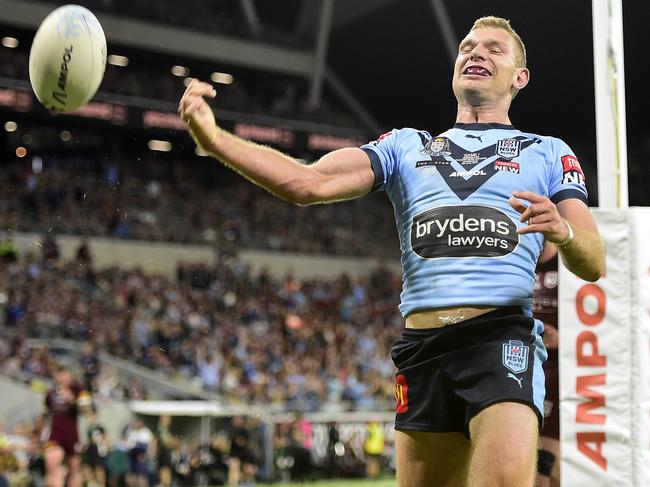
(200, 88)
(540, 215)
(542, 227)
(191, 106)
(534, 211)
(533, 228)
(192, 99)
(540, 205)
(517, 205)
(527, 210)
(529, 196)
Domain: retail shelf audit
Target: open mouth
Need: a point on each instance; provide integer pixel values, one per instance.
(477, 71)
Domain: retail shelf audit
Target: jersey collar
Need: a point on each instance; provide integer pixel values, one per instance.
(482, 126)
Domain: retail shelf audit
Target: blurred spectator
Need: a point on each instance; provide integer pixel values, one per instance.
(333, 444)
(138, 441)
(50, 250)
(89, 364)
(297, 450)
(164, 443)
(14, 456)
(8, 251)
(242, 464)
(209, 367)
(118, 465)
(374, 448)
(95, 452)
(64, 402)
(215, 463)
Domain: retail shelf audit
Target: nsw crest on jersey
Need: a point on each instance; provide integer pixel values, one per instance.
(508, 148)
(464, 170)
(436, 147)
(515, 356)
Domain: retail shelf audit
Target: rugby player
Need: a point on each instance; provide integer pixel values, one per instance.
(473, 207)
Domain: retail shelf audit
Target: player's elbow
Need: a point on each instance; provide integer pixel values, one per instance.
(299, 195)
(598, 272)
(592, 275)
(305, 197)
(596, 269)
(305, 191)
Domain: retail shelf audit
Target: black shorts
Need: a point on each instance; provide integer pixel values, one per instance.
(445, 376)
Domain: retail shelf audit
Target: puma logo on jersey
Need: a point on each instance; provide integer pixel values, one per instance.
(518, 379)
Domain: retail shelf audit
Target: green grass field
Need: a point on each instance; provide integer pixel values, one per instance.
(345, 483)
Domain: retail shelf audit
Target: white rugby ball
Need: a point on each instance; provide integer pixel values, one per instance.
(68, 58)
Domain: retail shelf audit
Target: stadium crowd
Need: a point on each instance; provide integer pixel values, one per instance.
(156, 454)
(300, 345)
(154, 200)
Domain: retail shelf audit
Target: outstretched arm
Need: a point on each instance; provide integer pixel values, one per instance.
(340, 175)
(584, 254)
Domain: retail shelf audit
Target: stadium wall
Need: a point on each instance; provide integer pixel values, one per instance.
(163, 258)
(19, 402)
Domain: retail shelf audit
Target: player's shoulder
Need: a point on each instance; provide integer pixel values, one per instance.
(401, 137)
(547, 140)
(408, 132)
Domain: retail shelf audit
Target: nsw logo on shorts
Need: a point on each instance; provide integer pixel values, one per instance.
(515, 356)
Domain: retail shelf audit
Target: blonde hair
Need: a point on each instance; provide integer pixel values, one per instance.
(501, 23)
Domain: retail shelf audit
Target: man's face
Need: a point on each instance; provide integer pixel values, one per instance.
(63, 378)
(485, 68)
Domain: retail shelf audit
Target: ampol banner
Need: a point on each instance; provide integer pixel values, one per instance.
(640, 273)
(604, 359)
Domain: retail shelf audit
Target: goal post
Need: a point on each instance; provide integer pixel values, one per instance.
(609, 85)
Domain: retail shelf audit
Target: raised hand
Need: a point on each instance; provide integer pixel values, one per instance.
(197, 114)
(540, 215)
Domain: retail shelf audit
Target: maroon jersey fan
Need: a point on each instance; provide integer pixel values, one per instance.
(63, 404)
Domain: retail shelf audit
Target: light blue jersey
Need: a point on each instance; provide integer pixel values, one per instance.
(457, 231)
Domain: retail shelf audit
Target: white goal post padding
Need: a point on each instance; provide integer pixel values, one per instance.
(605, 360)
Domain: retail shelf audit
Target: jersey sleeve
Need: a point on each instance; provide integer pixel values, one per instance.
(566, 178)
(383, 158)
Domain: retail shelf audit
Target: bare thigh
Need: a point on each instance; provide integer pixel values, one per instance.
(504, 446)
(53, 456)
(431, 459)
